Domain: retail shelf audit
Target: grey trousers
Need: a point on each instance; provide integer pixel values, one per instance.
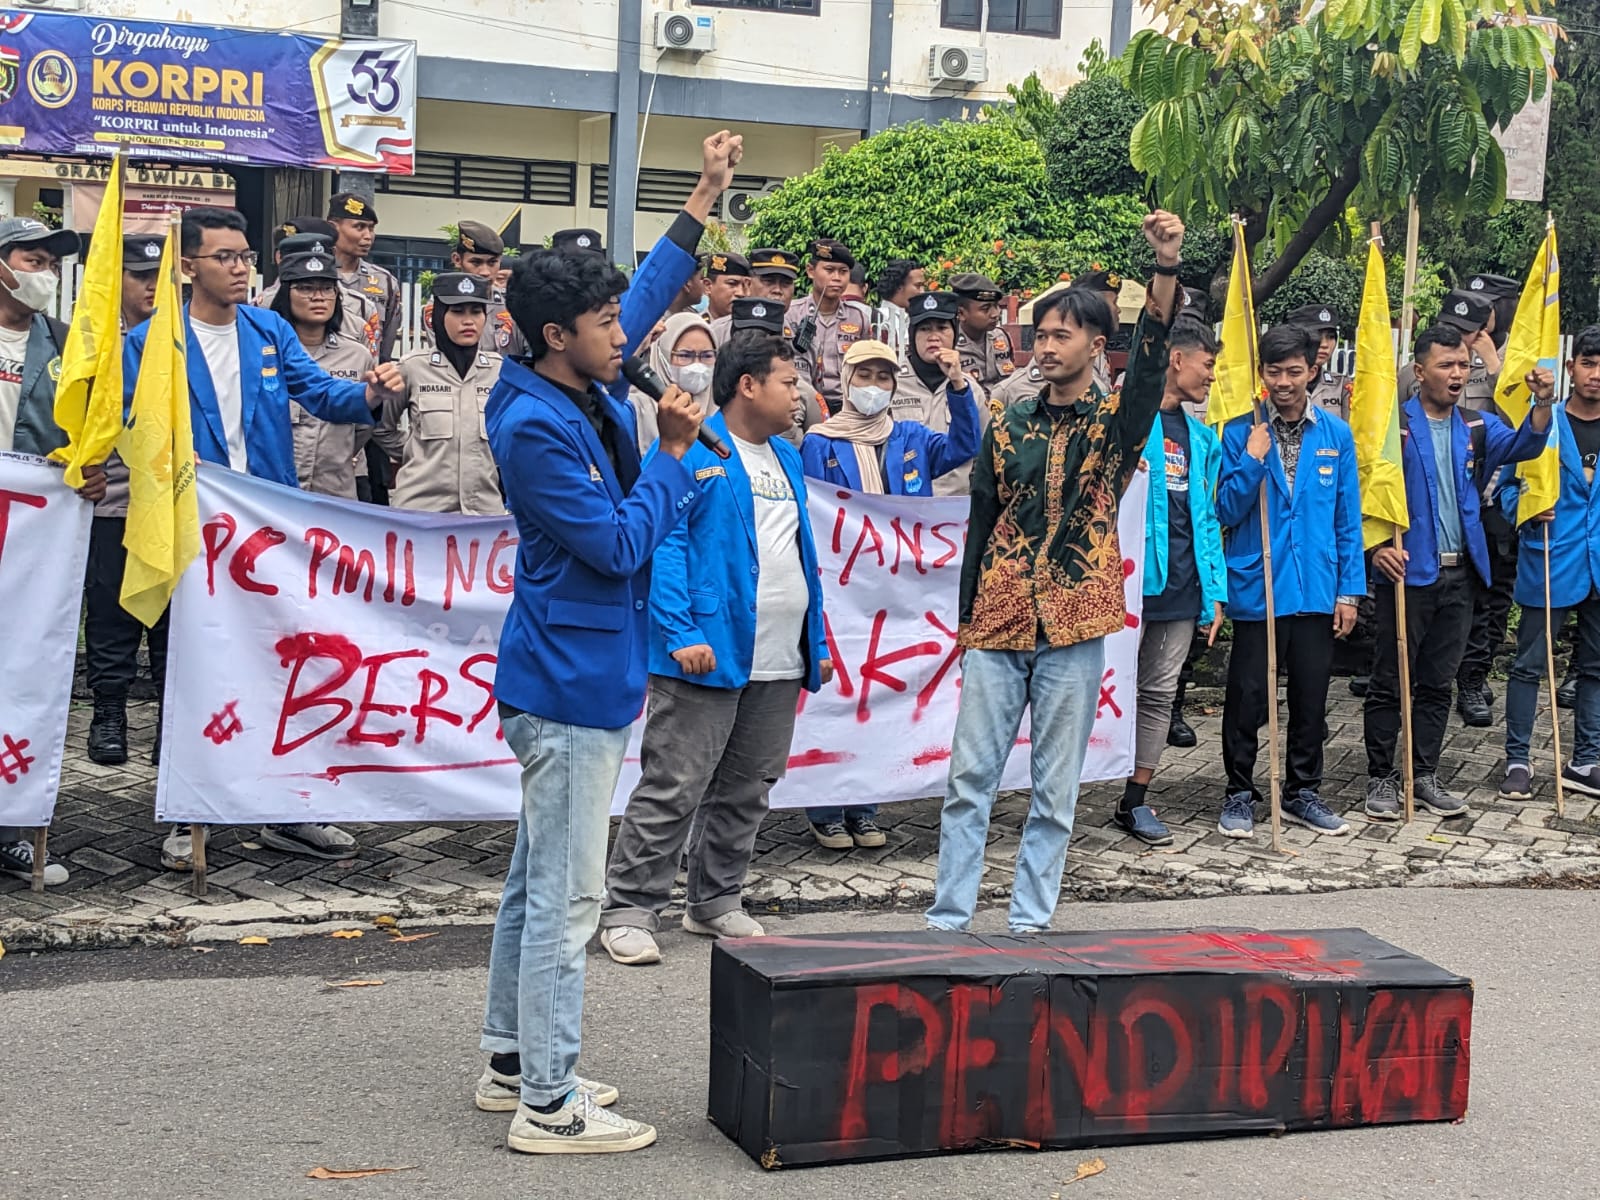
(1163, 645)
(709, 759)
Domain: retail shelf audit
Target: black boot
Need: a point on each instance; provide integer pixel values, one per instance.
(1179, 732)
(108, 731)
(1472, 702)
(1567, 691)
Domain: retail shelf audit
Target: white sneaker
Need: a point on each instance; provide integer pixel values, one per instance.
(314, 841)
(630, 945)
(734, 924)
(177, 851)
(579, 1126)
(502, 1093)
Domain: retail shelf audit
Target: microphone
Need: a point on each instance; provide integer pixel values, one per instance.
(640, 374)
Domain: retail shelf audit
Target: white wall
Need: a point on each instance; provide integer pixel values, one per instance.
(773, 47)
(311, 16)
(1011, 56)
(579, 34)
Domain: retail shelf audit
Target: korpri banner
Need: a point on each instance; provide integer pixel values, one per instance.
(44, 546)
(334, 661)
(87, 85)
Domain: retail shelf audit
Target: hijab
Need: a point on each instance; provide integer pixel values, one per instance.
(459, 357)
(931, 373)
(866, 434)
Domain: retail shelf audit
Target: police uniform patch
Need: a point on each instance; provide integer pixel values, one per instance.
(846, 327)
(502, 338)
(353, 206)
(152, 250)
(465, 287)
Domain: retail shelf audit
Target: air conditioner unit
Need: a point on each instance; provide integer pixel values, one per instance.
(692, 33)
(958, 64)
(737, 206)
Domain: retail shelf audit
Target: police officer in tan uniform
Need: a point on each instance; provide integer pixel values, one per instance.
(1471, 314)
(445, 462)
(1109, 285)
(477, 252)
(356, 223)
(753, 313)
(920, 392)
(985, 347)
(772, 274)
(310, 299)
(823, 325)
(360, 319)
(1327, 390)
(727, 279)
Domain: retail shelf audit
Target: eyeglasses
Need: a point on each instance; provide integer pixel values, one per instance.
(227, 258)
(682, 358)
(313, 287)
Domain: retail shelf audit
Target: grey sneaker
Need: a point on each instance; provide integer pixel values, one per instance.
(1518, 783)
(735, 924)
(579, 1126)
(630, 945)
(1383, 799)
(1436, 798)
(312, 840)
(1238, 818)
(502, 1093)
(1306, 808)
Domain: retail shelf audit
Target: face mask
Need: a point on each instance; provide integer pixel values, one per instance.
(694, 378)
(35, 289)
(870, 401)
(703, 304)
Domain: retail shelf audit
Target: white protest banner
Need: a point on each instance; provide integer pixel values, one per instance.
(333, 661)
(44, 545)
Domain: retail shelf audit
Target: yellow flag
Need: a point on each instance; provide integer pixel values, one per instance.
(1375, 412)
(1534, 341)
(89, 390)
(163, 531)
(1237, 385)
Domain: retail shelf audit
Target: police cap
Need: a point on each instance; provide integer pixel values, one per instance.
(1495, 287)
(1465, 310)
(930, 306)
(723, 262)
(458, 287)
(317, 264)
(578, 239)
(775, 262)
(830, 250)
(474, 237)
(142, 251)
(972, 286)
(347, 206)
(1319, 318)
(755, 313)
(1099, 280)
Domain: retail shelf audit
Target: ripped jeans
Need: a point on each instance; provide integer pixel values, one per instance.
(551, 903)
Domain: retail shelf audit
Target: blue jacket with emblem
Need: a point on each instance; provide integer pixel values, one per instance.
(707, 572)
(1316, 526)
(1574, 535)
(1205, 468)
(575, 644)
(1472, 470)
(273, 370)
(913, 457)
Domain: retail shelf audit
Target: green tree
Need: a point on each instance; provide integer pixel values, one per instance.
(1287, 121)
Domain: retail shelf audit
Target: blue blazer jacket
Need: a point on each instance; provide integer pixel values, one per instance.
(704, 581)
(273, 370)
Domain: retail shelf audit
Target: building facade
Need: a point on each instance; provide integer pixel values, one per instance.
(591, 112)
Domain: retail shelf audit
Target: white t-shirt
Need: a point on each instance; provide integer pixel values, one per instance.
(13, 352)
(220, 346)
(781, 595)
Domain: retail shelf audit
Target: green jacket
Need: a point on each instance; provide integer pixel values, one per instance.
(1053, 482)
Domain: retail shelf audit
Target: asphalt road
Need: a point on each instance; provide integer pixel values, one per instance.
(170, 1073)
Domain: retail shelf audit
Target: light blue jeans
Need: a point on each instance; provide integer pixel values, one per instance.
(1060, 685)
(551, 903)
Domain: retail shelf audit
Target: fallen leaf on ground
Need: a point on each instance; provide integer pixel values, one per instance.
(353, 983)
(411, 937)
(1439, 837)
(203, 949)
(253, 941)
(385, 922)
(1086, 1169)
(346, 933)
(329, 1173)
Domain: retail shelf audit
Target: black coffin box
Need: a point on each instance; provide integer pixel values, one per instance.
(849, 1047)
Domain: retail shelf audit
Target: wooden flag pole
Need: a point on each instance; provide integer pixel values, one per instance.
(1275, 789)
(1403, 646)
(1550, 674)
(197, 845)
(41, 837)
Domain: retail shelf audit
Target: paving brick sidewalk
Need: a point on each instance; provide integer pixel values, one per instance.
(118, 892)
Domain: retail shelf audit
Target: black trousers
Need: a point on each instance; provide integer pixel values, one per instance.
(110, 633)
(1491, 605)
(1305, 650)
(1438, 618)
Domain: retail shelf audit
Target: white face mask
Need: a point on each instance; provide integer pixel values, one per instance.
(35, 289)
(870, 401)
(694, 378)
